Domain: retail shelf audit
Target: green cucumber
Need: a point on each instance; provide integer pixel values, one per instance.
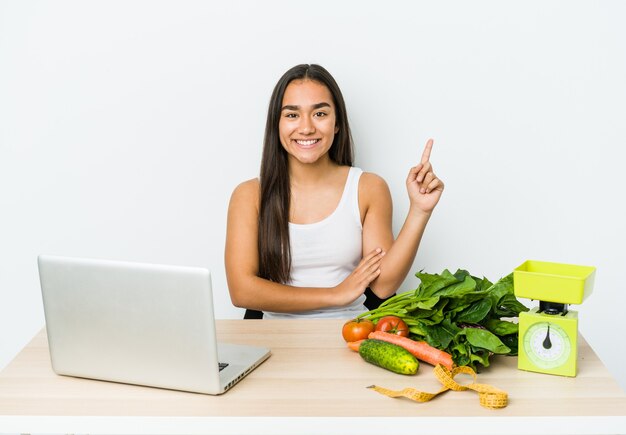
(388, 356)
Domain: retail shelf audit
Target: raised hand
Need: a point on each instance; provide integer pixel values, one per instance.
(422, 184)
(355, 284)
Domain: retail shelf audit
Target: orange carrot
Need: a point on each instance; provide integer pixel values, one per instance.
(420, 349)
(354, 345)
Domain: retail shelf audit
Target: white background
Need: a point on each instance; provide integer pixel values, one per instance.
(124, 127)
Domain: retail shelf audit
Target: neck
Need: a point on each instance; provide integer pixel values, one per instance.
(310, 173)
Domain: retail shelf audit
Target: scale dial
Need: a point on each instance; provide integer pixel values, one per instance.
(547, 345)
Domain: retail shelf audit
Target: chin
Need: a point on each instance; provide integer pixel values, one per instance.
(308, 161)
(307, 158)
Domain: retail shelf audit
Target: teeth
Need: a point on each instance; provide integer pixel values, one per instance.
(306, 142)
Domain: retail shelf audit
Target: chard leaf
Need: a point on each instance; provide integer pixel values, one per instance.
(485, 339)
(482, 284)
(461, 274)
(460, 354)
(450, 314)
(509, 306)
(476, 312)
(500, 289)
(464, 301)
(442, 334)
(429, 321)
(501, 327)
(427, 279)
(429, 303)
(480, 356)
(511, 341)
(468, 285)
(422, 314)
(437, 317)
(461, 360)
(430, 284)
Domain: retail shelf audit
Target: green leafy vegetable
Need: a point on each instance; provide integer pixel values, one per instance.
(460, 314)
(483, 339)
(475, 312)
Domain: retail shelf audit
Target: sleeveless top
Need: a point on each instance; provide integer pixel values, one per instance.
(324, 253)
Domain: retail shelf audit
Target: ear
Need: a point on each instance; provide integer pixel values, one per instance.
(336, 129)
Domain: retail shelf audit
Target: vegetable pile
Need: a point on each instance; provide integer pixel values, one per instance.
(459, 314)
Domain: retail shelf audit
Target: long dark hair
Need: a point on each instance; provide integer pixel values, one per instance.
(273, 242)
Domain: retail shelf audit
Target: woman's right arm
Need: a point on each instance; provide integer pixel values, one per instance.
(248, 290)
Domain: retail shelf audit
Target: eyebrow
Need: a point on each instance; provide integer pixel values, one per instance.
(314, 106)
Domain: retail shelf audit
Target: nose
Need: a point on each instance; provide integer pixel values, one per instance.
(307, 126)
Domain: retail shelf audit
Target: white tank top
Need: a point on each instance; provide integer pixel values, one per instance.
(324, 253)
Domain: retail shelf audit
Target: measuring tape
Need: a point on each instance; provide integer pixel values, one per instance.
(489, 396)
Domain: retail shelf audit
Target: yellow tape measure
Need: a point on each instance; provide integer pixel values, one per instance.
(489, 396)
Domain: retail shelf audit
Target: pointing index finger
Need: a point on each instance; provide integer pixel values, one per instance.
(427, 149)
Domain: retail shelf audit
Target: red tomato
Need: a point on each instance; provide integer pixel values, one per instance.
(393, 325)
(357, 329)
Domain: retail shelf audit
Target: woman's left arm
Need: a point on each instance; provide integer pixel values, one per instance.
(424, 190)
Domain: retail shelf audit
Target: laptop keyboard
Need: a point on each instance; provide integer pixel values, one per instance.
(223, 366)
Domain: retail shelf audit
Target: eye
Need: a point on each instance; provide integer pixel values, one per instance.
(321, 114)
(291, 115)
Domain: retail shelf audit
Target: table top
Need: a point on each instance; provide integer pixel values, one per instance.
(311, 377)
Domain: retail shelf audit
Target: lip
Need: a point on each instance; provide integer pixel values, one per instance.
(306, 143)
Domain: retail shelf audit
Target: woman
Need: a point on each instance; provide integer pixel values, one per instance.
(310, 235)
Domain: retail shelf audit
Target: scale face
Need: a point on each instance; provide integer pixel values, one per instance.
(548, 342)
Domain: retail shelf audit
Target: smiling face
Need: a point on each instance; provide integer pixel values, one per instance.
(307, 124)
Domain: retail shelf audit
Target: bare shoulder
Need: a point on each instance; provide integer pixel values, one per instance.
(246, 194)
(374, 194)
(372, 185)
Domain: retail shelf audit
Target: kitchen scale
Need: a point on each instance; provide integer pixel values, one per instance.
(548, 334)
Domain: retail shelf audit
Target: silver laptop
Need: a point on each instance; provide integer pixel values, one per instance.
(137, 323)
